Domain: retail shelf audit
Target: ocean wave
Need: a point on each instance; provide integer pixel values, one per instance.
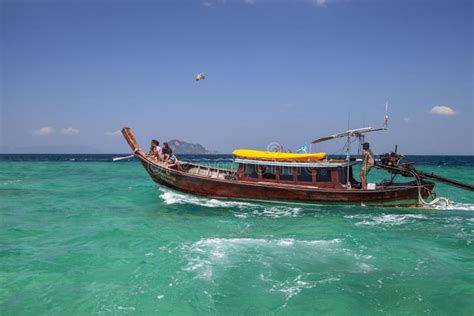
(273, 211)
(456, 207)
(203, 255)
(209, 259)
(220, 243)
(241, 209)
(126, 308)
(8, 182)
(291, 288)
(386, 219)
(172, 197)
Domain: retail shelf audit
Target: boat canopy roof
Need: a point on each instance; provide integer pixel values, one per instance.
(320, 164)
(350, 133)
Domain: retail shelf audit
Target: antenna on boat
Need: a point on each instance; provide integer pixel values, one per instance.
(348, 155)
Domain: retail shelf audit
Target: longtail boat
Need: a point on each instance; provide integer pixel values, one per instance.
(317, 179)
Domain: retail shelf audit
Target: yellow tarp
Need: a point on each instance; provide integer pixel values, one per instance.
(268, 155)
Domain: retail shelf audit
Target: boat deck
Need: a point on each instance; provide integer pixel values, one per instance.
(227, 174)
(197, 170)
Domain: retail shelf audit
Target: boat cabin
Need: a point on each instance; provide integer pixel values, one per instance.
(322, 174)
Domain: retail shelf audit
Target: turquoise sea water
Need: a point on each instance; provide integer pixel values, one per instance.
(95, 237)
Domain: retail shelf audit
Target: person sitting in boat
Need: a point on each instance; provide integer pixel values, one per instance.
(367, 164)
(155, 149)
(152, 147)
(167, 152)
(173, 159)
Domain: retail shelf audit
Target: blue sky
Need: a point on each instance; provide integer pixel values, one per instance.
(75, 72)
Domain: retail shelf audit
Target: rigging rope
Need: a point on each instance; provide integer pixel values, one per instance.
(421, 201)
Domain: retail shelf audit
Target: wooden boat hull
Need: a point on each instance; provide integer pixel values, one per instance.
(396, 195)
(219, 186)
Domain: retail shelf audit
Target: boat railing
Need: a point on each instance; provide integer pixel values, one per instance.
(319, 164)
(206, 171)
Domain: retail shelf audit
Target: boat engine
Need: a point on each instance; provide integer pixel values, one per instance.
(391, 162)
(390, 159)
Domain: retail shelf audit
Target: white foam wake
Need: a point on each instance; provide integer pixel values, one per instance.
(205, 254)
(386, 219)
(173, 197)
(456, 207)
(229, 242)
(242, 209)
(293, 287)
(8, 182)
(270, 211)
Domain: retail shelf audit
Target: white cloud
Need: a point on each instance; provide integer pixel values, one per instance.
(208, 5)
(116, 133)
(443, 110)
(406, 119)
(212, 4)
(69, 131)
(319, 3)
(43, 131)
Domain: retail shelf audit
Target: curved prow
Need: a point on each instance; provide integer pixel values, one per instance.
(130, 138)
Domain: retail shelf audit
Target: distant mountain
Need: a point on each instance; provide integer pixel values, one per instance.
(181, 147)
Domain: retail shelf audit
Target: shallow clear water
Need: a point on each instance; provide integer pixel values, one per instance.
(89, 237)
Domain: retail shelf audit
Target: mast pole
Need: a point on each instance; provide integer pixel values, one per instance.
(348, 155)
(348, 158)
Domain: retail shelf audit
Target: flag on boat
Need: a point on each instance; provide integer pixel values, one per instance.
(303, 149)
(385, 120)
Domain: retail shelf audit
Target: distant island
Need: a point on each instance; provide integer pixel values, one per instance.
(182, 147)
(179, 147)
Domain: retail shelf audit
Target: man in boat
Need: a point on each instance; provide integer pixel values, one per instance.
(367, 164)
(155, 149)
(167, 152)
